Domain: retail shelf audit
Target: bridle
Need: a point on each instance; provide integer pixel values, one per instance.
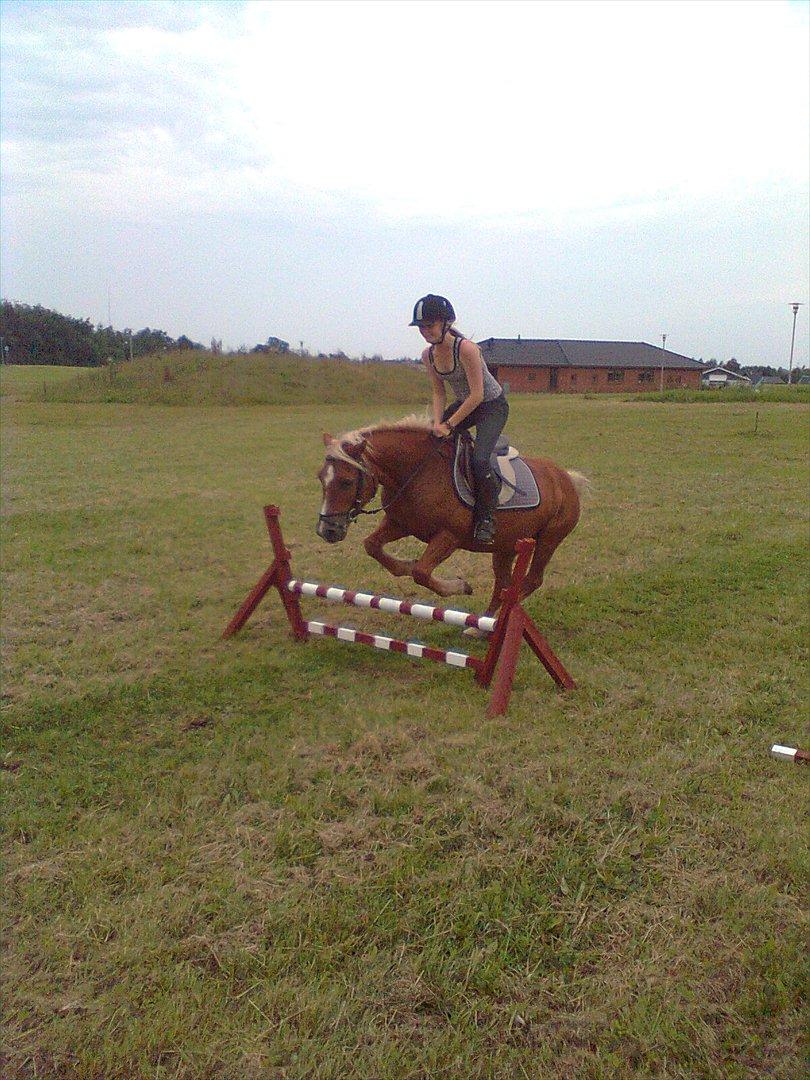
(356, 509)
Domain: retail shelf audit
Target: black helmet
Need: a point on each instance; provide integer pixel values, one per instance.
(430, 308)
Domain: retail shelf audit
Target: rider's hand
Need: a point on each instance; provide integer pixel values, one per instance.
(442, 430)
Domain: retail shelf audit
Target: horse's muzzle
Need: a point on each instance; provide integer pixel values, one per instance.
(333, 527)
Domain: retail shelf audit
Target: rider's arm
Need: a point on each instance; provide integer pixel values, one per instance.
(472, 363)
(438, 392)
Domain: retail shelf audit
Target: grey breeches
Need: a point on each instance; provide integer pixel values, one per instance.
(488, 419)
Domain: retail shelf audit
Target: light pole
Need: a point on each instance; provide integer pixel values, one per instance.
(663, 357)
(795, 307)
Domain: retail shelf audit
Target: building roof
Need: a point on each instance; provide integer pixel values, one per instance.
(728, 372)
(561, 352)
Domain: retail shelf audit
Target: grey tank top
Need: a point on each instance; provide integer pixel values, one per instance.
(457, 376)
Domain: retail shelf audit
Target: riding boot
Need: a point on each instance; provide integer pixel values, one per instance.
(486, 494)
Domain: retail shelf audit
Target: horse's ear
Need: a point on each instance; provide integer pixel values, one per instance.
(327, 438)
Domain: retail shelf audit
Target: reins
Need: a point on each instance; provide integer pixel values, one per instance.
(358, 509)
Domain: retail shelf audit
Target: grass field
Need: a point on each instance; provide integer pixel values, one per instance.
(23, 381)
(261, 859)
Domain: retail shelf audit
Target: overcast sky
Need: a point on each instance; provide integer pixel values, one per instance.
(307, 170)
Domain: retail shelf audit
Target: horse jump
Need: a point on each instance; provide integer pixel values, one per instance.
(511, 626)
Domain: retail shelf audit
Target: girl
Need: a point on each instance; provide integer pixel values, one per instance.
(480, 400)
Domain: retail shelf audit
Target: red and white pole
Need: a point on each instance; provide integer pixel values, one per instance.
(791, 753)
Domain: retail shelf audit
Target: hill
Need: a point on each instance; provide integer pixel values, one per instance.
(204, 378)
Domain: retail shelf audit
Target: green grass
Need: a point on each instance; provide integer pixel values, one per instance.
(731, 395)
(23, 381)
(202, 378)
(261, 859)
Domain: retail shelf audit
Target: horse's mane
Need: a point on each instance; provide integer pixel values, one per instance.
(419, 422)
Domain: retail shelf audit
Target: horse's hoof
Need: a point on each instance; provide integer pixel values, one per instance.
(467, 588)
(474, 632)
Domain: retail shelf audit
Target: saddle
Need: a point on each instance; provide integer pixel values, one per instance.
(517, 487)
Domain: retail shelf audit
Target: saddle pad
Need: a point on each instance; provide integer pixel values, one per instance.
(511, 467)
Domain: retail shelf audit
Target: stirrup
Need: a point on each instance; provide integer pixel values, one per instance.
(484, 532)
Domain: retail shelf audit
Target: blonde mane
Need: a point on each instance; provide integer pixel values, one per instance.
(413, 422)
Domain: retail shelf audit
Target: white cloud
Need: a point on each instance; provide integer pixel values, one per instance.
(546, 164)
(456, 111)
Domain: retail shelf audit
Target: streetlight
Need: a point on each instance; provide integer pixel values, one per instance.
(795, 307)
(663, 357)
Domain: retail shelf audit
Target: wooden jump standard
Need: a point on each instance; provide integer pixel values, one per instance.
(507, 630)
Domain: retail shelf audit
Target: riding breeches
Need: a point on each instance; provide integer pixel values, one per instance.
(488, 419)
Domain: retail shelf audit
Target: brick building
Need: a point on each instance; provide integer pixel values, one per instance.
(549, 365)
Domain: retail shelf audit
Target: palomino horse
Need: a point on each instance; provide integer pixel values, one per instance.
(413, 467)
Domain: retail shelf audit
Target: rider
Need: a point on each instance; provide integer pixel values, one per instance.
(480, 400)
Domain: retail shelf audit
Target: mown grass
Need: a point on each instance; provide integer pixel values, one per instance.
(24, 381)
(260, 859)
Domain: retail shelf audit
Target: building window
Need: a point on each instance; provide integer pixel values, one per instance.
(646, 376)
(531, 376)
(594, 377)
(573, 376)
(615, 376)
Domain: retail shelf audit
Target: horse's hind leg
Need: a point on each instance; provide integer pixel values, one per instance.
(545, 546)
(441, 547)
(502, 568)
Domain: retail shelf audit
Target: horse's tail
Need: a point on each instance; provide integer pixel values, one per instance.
(582, 484)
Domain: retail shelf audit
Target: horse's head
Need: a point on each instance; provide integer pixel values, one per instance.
(347, 487)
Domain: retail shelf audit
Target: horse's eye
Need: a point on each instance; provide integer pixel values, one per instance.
(345, 484)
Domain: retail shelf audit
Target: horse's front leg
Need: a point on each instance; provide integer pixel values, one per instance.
(386, 533)
(441, 547)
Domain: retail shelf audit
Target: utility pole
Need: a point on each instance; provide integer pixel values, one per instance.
(663, 357)
(795, 307)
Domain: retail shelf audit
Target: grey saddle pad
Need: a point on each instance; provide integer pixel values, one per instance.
(507, 465)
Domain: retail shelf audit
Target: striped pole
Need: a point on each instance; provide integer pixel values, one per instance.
(409, 648)
(506, 631)
(791, 753)
(485, 623)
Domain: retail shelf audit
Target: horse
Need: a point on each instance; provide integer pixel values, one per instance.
(413, 467)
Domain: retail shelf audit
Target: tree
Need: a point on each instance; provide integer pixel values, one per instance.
(36, 335)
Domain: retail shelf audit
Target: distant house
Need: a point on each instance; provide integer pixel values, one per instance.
(717, 377)
(769, 380)
(556, 365)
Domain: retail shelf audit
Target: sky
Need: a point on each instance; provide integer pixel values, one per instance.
(604, 170)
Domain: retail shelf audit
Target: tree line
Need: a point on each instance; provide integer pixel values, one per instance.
(37, 335)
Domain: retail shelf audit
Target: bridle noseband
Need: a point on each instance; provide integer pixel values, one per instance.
(356, 509)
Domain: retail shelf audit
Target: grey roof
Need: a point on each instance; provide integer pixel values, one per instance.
(559, 352)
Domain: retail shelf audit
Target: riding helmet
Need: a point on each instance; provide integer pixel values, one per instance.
(430, 308)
